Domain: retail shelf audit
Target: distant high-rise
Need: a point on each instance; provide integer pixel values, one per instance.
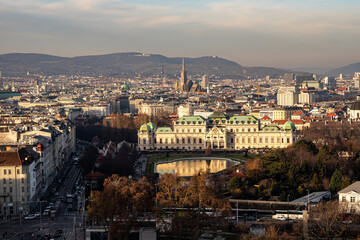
(356, 78)
(205, 81)
(1, 82)
(330, 82)
(289, 77)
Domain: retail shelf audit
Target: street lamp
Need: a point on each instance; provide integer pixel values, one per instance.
(308, 205)
(288, 196)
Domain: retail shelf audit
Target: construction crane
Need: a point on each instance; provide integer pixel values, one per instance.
(258, 87)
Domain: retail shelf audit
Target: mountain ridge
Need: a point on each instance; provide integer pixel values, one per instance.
(347, 70)
(127, 63)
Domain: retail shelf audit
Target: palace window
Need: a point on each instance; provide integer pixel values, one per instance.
(199, 140)
(352, 199)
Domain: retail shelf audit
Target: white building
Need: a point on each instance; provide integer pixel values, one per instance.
(350, 197)
(217, 132)
(153, 109)
(185, 110)
(205, 81)
(355, 110)
(306, 97)
(287, 96)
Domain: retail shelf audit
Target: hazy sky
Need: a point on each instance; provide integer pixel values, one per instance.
(280, 33)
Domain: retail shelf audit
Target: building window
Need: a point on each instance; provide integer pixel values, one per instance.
(343, 199)
(144, 141)
(4, 171)
(231, 140)
(22, 189)
(177, 140)
(22, 180)
(4, 181)
(10, 189)
(288, 140)
(183, 140)
(352, 199)
(4, 189)
(160, 140)
(199, 140)
(18, 171)
(9, 171)
(189, 140)
(200, 130)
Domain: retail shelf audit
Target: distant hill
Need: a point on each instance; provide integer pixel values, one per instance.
(17, 64)
(347, 70)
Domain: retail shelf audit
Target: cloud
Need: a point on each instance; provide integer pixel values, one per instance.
(214, 27)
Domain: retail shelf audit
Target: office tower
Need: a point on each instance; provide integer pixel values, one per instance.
(205, 81)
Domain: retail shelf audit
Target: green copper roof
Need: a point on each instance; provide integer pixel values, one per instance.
(145, 128)
(243, 119)
(218, 115)
(289, 126)
(191, 120)
(164, 129)
(151, 125)
(270, 129)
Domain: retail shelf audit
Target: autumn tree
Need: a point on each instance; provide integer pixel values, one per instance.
(120, 204)
(326, 221)
(197, 196)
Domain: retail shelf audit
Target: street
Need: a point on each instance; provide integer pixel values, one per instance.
(68, 223)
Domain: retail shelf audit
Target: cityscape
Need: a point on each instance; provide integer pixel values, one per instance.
(176, 143)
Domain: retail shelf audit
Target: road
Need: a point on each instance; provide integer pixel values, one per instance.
(68, 221)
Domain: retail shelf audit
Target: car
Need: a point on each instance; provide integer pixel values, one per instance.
(46, 212)
(30, 217)
(57, 235)
(37, 214)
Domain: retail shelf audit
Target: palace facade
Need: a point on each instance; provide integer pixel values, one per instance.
(218, 132)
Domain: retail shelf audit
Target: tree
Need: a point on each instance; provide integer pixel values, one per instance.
(197, 196)
(335, 182)
(236, 183)
(87, 161)
(120, 204)
(326, 221)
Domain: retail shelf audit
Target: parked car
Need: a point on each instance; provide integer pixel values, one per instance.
(30, 216)
(37, 214)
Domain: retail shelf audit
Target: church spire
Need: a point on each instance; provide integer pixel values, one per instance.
(183, 65)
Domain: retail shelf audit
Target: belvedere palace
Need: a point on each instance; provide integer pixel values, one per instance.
(217, 132)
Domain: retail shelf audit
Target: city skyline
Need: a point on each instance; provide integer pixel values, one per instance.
(285, 34)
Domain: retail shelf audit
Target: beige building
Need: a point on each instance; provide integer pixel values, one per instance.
(19, 171)
(287, 96)
(153, 109)
(218, 132)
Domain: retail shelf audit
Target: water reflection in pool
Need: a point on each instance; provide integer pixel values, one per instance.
(185, 167)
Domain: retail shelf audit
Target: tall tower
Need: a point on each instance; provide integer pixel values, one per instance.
(183, 79)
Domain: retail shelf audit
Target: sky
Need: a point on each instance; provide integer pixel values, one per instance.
(275, 33)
